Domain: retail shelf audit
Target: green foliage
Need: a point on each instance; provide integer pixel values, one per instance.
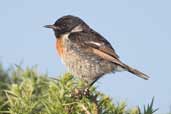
(4, 83)
(29, 92)
(149, 109)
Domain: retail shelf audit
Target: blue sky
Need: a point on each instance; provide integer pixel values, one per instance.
(140, 32)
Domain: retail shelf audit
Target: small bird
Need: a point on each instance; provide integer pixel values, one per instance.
(86, 53)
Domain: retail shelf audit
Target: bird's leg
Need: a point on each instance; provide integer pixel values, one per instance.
(85, 91)
(91, 84)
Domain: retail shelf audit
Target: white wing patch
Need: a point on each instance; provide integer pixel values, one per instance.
(95, 43)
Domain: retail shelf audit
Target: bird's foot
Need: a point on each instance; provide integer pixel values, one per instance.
(80, 92)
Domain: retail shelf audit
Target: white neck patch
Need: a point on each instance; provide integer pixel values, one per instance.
(77, 29)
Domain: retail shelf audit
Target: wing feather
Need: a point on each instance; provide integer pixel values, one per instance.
(93, 40)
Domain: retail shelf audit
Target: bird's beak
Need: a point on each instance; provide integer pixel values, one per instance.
(52, 27)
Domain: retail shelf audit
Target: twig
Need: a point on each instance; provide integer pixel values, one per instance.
(84, 109)
(96, 108)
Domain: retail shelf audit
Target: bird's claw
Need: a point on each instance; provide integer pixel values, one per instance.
(79, 93)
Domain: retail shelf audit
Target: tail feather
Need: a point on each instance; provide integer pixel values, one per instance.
(120, 64)
(136, 72)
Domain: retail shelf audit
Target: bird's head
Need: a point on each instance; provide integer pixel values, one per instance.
(67, 24)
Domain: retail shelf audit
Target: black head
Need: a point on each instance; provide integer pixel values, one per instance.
(66, 24)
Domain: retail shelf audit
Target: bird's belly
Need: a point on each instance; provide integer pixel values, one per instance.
(86, 66)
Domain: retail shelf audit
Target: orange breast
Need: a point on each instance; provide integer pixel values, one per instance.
(59, 46)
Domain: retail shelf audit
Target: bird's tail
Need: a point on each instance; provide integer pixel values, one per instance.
(119, 63)
(136, 72)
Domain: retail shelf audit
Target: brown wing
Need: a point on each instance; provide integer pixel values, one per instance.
(96, 44)
(94, 40)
